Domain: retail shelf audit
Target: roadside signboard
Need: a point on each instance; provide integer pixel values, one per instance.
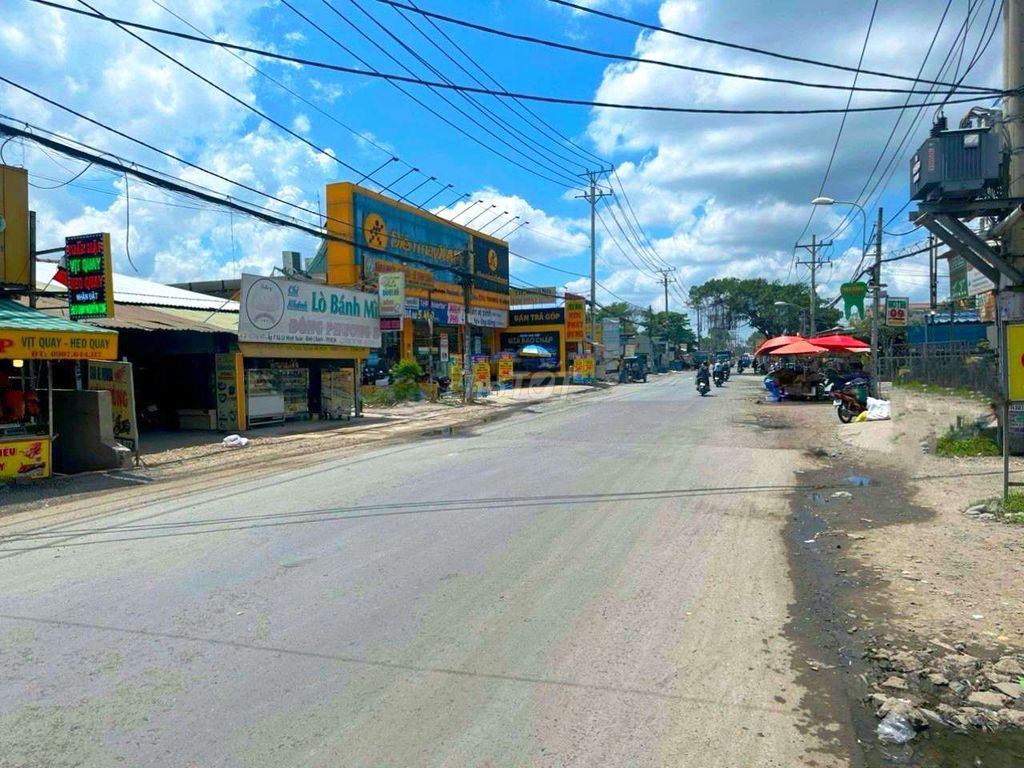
(853, 298)
(282, 311)
(443, 343)
(391, 289)
(959, 283)
(522, 297)
(481, 374)
(575, 318)
(896, 311)
(25, 458)
(116, 377)
(1017, 418)
(227, 378)
(1015, 360)
(89, 275)
(505, 369)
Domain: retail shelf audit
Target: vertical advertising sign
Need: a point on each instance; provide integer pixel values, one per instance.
(481, 375)
(116, 378)
(959, 283)
(226, 384)
(391, 287)
(505, 370)
(90, 276)
(575, 318)
(14, 236)
(896, 311)
(443, 343)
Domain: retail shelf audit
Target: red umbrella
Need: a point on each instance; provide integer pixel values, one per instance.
(839, 341)
(778, 341)
(802, 347)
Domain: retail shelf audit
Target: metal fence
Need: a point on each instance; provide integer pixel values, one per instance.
(954, 366)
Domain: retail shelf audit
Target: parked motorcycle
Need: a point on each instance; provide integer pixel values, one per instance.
(849, 398)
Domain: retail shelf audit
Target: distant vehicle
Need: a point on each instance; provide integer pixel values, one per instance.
(634, 369)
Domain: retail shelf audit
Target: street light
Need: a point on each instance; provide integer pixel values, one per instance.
(798, 308)
(876, 279)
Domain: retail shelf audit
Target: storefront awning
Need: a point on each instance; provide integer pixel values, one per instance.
(29, 334)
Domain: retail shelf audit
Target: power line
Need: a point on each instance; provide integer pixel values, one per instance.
(513, 133)
(842, 123)
(637, 59)
(749, 49)
(560, 154)
(373, 74)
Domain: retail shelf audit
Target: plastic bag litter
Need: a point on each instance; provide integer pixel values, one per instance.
(878, 410)
(895, 729)
(235, 441)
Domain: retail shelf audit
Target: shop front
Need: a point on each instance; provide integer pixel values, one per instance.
(301, 349)
(32, 344)
(536, 341)
(427, 314)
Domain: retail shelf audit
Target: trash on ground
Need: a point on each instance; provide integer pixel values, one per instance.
(235, 441)
(895, 729)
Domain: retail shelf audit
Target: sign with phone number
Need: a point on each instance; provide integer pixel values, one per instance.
(896, 312)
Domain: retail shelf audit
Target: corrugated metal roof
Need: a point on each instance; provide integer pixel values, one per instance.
(131, 317)
(19, 317)
(136, 290)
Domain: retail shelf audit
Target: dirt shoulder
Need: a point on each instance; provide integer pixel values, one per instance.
(910, 605)
(185, 469)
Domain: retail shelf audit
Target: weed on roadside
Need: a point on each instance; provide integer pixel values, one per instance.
(954, 443)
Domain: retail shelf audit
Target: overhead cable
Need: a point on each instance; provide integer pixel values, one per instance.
(395, 78)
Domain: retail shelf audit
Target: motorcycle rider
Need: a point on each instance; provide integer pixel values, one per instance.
(703, 374)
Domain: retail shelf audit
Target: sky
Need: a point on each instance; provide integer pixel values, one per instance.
(711, 195)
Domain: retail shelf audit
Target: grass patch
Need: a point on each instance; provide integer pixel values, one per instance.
(934, 389)
(955, 444)
(1012, 510)
(380, 397)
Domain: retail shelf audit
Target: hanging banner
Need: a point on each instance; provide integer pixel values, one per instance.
(853, 298)
(391, 289)
(283, 311)
(116, 378)
(897, 311)
(575, 318)
(90, 276)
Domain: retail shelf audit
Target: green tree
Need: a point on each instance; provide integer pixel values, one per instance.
(673, 326)
(753, 301)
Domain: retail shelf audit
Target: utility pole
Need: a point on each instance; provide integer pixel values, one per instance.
(593, 194)
(467, 331)
(876, 308)
(814, 262)
(665, 280)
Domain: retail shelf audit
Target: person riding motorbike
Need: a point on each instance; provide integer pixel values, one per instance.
(720, 373)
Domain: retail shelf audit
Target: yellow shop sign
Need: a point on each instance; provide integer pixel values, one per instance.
(57, 345)
(28, 457)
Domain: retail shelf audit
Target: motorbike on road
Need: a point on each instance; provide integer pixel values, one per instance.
(703, 387)
(719, 377)
(849, 397)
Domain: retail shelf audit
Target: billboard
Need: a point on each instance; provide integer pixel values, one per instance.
(959, 284)
(14, 245)
(521, 297)
(391, 289)
(90, 276)
(575, 317)
(283, 311)
(378, 235)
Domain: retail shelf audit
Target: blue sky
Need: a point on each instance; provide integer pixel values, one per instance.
(718, 195)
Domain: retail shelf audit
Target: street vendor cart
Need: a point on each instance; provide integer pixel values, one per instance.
(30, 342)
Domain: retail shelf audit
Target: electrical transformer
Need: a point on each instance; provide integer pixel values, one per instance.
(958, 164)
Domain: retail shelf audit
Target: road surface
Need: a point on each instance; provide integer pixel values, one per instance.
(597, 582)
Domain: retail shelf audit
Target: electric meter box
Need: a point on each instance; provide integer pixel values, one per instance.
(958, 164)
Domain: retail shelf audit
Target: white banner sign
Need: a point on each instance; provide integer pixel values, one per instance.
(978, 283)
(391, 288)
(282, 311)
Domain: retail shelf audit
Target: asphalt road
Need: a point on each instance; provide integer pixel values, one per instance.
(601, 582)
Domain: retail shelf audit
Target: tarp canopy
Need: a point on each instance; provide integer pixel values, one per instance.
(778, 341)
(841, 342)
(802, 347)
(29, 334)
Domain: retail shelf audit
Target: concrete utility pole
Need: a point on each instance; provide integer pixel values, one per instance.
(876, 308)
(665, 280)
(814, 262)
(467, 331)
(592, 195)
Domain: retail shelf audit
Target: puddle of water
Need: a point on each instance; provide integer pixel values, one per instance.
(859, 480)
